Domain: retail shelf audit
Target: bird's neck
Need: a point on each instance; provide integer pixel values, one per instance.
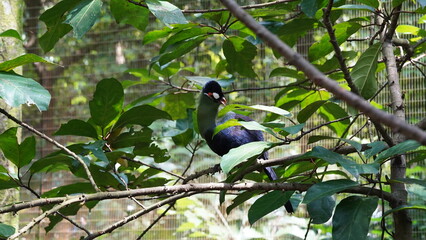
(206, 115)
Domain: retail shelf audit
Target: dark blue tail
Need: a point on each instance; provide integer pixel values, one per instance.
(273, 176)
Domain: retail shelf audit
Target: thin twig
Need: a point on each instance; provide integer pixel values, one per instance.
(57, 144)
(156, 220)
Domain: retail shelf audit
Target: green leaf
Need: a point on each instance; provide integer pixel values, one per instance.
(354, 168)
(411, 181)
(376, 147)
(128, 139)
(107, 102)
(371, 3)
(21, 60)
(309, 110)
(240, 154)
(364, 71)
(241, 198)
(177, 104)
(166, 12)
(267, 204)
(129, 13)
(355, 7)
(152, 150)
(352, 217)
(179, 49)
(292, 129)
(271, 109)
(321, 210)
(56, 29)
(239, 54)
(142, 115)
(331, 111)
(328, 188)
(52, 163)
(77, 127)
(52, 36)
(409, 29)
(83, 16)
(18, 154)
(286, 72)
(323, 47)
(6, 230)
(11, 33)
(400, 148)
(310, 7)
(16, 90)
(405, 207)
(185, 34)
(156, 34)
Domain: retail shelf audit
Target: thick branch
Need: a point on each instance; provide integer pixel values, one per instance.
(199, 188)
(320, 79)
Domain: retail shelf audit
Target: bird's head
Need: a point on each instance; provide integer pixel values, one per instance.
(213, 90)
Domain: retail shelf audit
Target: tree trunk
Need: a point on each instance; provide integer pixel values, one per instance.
(11, 15)
(402, 220)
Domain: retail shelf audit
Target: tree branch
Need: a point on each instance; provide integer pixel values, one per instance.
(187, 188)
(57, 144)
(397, 125)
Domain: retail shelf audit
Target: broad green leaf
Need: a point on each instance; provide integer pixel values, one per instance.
(286, 72)
(6, 230)
(356, 145)
(354, 168)
(177, 104)
(400, 148)
(371, 3)
(152, 150)
(310, 7)
(308, 111)
(405, 207)
(376, 147)
(293, 30)
(364, 71)
(6, 182)
(83, 16)
(411, 181)
(52, 163)
(128, 13)
(355, 7)
(142, 115)
(11, 33)
(267, 204)
(56, 29)
(16, 90)
(74, 188)
(201, 80)
(21, 60)
(107, 102)
(52, 36)
(409, 29)
(239, 54)
(323, 47)
(328, 188)
(156, 34)
(76, 127)
(352, 217)
(185, 34)
(292, 129)
(321, 210)
(97, 149)
(18, 154)
(240, 154)
(241, 198)
(179, 49)
(166, 12)
(272, 109)
(331, 111)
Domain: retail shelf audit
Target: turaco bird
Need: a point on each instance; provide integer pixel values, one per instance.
(210, 100)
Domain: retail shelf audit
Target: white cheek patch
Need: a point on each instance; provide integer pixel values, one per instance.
(216, 96)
